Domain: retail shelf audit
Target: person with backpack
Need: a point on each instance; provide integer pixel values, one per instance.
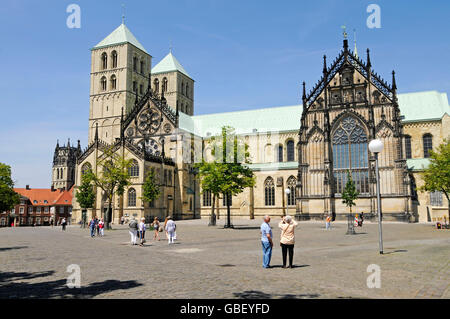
(133, 228)
(170, 229)
(92, 227)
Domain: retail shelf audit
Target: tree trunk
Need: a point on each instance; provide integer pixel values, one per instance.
(212, 218)
(228, 224)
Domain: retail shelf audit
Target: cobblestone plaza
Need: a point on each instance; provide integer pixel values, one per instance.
(212, 262)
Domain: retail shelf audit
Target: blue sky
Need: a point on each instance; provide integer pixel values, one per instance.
(242, 54)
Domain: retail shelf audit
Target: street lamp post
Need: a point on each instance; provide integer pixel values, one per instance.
(376, 146)
(287, 191)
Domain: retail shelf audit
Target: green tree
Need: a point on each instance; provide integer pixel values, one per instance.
(227, 174)
(112, 179)
(8, 197)
(150, 190)
(437, 176)
(85, 195)
(349, 195)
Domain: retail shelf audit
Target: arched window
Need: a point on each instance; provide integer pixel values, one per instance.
(290, 151)
(104, 61)
(408, 146)
(85, 168)
(206, 198)
(142, 67)
(113, 82)
(103, 83)
(182, 88)
(187, 90)
(134, 169)
(190, 204)
(350, 153)
(114, 59)
(269, 192)
(291, 184)
(427, 145)
(135, 64)
(57, 173)
(156, 85)
(131, 197)
(279, 152)
(164, 85)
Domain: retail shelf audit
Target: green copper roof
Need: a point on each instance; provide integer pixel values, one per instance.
(169, 64)
(417, 164)
(419, 106)
(121, 35)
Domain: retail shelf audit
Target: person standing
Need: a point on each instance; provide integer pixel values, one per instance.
(266, 241)
(142, 231)
(156, 226)
(51, 222)
(63, 224)
(170, 229)
(133, 228)
(92, 227)
(101, 226)
(122, 219)
(328, 222)
(287, 241)
(97, 221)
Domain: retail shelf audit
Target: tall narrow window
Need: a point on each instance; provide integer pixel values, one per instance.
(113, 82)
(206, 198)
(291, 184)
(182, 88)
(131, 197)
(103, 83)
(269, 192)
(279, 152)
(350, 153)
(134, 169)
(164, 85)
(156, 85)
(142, 67)
(290, 151)
(141, 88)
(187, 90)
(408, 146)
(135, 86)
(114, 59)
(427, 145)
(104, 61)
(135, 62)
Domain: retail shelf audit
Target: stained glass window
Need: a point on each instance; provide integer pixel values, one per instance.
(269, 192)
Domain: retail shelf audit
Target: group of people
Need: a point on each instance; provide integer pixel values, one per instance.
(287, 240)
(97, 225)
(358, 222)
(137, 230)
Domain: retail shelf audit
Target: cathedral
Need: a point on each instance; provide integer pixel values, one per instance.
(146, 114)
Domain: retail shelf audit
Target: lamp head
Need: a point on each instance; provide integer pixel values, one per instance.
(376, 146)
(287, 191)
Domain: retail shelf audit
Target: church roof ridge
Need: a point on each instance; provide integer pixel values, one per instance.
(169, 64)
(120, 35)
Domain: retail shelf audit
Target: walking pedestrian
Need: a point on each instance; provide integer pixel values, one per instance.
(97, 221)
(328, 222)
(63, 224)
(142, 231)
(287, 241)
(122, 220)
(164, 227)
(101, 226)
(133, 228)
(170, 229)
(156, 226)
(266, 241)
(51, 222)
(92, 227)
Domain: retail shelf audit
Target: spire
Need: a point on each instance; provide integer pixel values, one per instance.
(68, 142)
(355, 51)
(368, 63)
(57, 144)
(123, 13)
(163, 153)
(304, 92)
(79, 146)
(324, 64)
(345, 35)
(149, 81)
(96, 132)
(394, 84)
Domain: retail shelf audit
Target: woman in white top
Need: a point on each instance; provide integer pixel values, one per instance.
(170, 229)
(142, 231)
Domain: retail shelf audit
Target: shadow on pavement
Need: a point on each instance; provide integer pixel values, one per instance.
(11, 248)
(252, 294)
(11, 287)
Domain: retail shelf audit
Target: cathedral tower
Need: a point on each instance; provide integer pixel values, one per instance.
(171, 79)
(120, 69)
